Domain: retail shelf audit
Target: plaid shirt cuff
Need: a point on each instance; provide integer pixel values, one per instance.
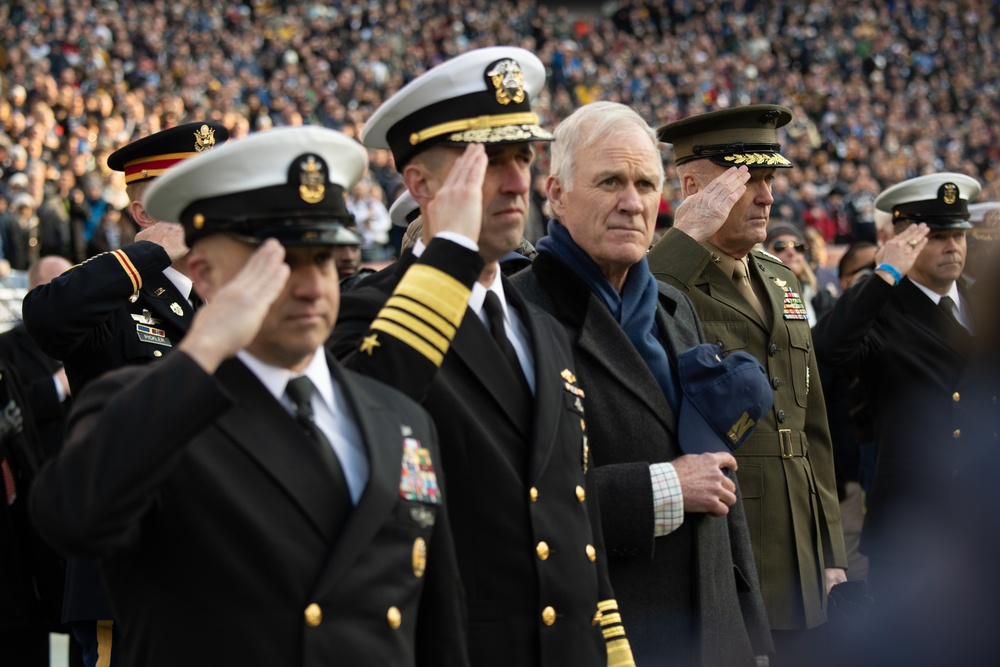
(668, 500)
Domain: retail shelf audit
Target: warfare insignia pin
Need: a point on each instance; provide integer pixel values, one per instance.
(204, 138)
(417, 480)
(312, 181)
(145, 318)
(422, 516)
(159, 291)
(176, 309)
(508, 81)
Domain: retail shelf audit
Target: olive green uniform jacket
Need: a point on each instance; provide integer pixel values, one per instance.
(786, 467)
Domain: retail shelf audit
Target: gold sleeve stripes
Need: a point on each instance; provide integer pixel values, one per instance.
(130, 270)
(424, 311)
(619, 650)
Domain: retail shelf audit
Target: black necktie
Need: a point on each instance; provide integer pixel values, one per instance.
(948, 306)
(300, 390)
(196, 301)
(494, 315)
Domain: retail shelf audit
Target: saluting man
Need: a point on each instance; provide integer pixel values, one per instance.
(748, 300)
(131, 305)
(495, 372)
(258, 504)
(128, 306)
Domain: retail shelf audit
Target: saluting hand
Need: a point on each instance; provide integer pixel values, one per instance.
(457, 206)
(704, 485)
(701, 214)
(169, 235)
(902, 250)
(231, 320)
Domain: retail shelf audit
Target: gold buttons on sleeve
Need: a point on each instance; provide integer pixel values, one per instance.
(591, 553)
(581, 495)
(314, 615)
(957, 433)
(533, 494)
(955, 397)
(542, 550)
(598, 615)
(394, 618)
(548, 616)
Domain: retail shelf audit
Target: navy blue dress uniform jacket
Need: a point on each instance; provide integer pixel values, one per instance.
(524, 512)
(87, 317)
(215, 521)
(913, 364)
(690, 597)
(36, 371)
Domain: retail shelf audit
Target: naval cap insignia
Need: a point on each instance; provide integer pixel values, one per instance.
(312, 180)
(507, 80)
(949, 193)
(204, 138)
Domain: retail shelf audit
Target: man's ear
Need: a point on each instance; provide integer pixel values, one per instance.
(415, 177)
(199, 270)
(554, 192)
(139, 214)
(689, 184)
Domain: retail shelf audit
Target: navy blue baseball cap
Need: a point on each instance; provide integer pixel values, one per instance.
(723, 398)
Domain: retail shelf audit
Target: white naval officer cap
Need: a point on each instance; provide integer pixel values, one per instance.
(287, 183)
(482, 96)
(939, 200)
(985, 219)
(404, 210)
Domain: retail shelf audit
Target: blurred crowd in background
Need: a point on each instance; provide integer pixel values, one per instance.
(882, 91)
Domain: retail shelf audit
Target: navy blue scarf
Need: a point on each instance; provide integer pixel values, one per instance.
(634, 308)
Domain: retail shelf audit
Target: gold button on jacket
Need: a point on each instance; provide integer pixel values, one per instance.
(548, 616)
(394, 617)
(314, 615)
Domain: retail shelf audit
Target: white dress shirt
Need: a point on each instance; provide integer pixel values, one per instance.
(953, 293)
(333, 414)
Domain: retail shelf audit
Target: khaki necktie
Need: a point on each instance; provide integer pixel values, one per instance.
(742, 279)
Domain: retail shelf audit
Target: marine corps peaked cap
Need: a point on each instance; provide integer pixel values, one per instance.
(730, 137)
(939, 200)
(287, 183)
(151, 156)
(482, 96)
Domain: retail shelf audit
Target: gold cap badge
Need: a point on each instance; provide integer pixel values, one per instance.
(312, 181)
(204, 138)
(950, 193)
(508, 81)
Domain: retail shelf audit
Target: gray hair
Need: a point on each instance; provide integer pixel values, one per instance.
(595, 123)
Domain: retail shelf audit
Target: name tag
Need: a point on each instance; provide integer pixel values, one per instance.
(148, 334)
